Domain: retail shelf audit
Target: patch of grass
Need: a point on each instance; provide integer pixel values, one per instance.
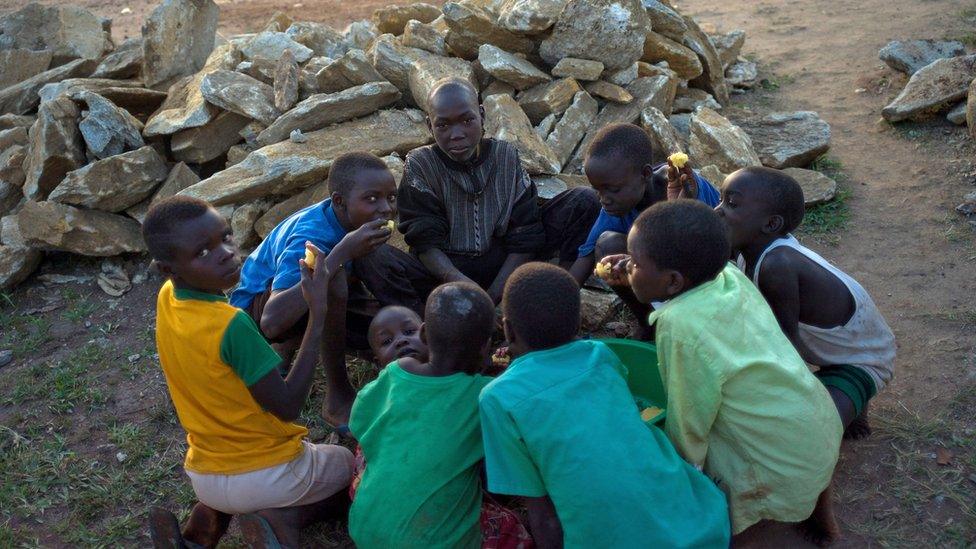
(776, 81)
(79, 310)
(824, 221)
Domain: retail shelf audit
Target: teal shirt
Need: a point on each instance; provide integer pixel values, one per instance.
(421, 438)
(561, 422)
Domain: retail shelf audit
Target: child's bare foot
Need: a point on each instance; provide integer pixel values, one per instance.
(859, 427)
(205, 526)
(164, 529)
(257, 532)
(336, 410)
(821, 528)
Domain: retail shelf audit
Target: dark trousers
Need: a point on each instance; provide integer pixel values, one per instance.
(396, 277)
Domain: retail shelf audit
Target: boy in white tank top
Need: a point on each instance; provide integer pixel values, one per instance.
(826, 314)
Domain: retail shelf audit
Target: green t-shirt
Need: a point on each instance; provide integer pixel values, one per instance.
(562, 422)
(421, 439)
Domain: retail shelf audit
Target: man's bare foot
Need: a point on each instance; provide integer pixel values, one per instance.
(859, 427)
(821, 528)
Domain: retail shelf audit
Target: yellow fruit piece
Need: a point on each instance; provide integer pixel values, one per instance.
(310, 258)
(391, 225)
(602, 270)
(649, 413)
(678, 159)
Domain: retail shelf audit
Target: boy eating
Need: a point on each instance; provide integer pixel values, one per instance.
(245, 455)
(562, 430)
(826, 314)
(418, 429)
(620, 167)
(741, 402)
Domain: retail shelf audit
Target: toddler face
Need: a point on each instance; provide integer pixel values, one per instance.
(395, 333)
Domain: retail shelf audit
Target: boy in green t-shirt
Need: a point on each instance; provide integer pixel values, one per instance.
(742, 404)
(246, 456)
(417, 426)
(561, 429)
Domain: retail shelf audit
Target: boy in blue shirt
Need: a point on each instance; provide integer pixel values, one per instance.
(562, 430)
(620, 167)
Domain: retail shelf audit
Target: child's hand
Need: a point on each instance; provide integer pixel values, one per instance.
(681, 181)
(617, 275)
(364, 240)
(315, 283)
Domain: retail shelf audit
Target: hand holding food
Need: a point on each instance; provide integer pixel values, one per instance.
(309, 258)
(678, 159)
(391, 225)
(602, 270)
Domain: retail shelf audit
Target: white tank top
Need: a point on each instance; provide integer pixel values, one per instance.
(864, 341)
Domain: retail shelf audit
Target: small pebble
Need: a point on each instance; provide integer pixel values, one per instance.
(297, 136)
(6, 357)
(126, 11)
(134, 358)
(121, 456)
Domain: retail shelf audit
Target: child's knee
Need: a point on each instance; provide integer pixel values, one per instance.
(610, 243)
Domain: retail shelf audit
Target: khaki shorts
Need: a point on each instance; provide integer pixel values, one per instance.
(319, 472)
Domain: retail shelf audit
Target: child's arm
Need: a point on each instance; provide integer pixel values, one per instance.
(285, 397)
(582, 268)
(779, 283)
(544, 523)
(694, 390)
(340, 394)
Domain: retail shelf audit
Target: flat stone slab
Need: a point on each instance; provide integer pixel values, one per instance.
(59, 227)
(908, 56)
(933, 88)
(788, 139)
(817, 187)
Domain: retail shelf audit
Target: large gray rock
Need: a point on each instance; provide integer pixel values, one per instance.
(579, 69)
(360, 34)
(742, 74)
(690, 99)
(549, 186)
(22, 98)
(680, 59)
(787, 139)
(270, 45)
(55, 148)
(609, 31)
(285, 167)
(20, 64)
(124, 62)
(179, 178)
(285, 84)
(392, 19)
(712, 78)
(393, 61)
(321, 110)
(608, 91)
(8, 121)
(664, 139)
(11, 177)
(425, 37)
(53, 226)
(107, 129)
(665, 20)
(530, 16)
(715, 140)
(16, 264)
(729, 46)
(957, 115)
(908, 56)
(178, 37)
(505, 120)
(185, 106)
(817, 187)
(322, 39)
(13, 136)
(73, 86)
(551, 98)
(651, 91)
(243, 220)
(68, 32)
(471, 26)
(572, 127)
(598, 308)
(352, 69)
(518, 72)
(933, 88)
(115, 183)
(428, 70)
(207, 142)
(236, 92)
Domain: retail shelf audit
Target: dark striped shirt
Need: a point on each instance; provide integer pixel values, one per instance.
(467, 208)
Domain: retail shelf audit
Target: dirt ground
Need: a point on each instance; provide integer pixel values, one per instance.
(88, 438)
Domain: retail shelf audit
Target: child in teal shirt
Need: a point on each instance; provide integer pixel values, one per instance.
(562, 430)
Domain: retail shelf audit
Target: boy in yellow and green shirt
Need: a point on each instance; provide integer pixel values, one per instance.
(245, 456)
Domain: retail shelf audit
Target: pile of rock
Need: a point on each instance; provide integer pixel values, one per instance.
(92, 133)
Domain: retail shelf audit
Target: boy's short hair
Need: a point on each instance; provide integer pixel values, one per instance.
(342, 174)
(625, 142)
(454, 82)
(459, 319)
(163, 218)
(542, 305)
(781, 193)
(686, 236)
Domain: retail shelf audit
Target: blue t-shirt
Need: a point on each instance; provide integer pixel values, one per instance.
(606, 222)
(274, 263)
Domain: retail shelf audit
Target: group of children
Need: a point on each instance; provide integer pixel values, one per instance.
(552, 451)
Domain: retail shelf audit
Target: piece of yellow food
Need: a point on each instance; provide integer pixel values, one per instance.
(391, 225)
(602, 270)
(678, 159)
(650, 413)
(310, 258)
(500, 360)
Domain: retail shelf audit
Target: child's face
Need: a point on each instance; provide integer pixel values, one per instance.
(373, 197)
(456, 122)
(619, 184)
(647, 280)
(395, 333)
(206, 257)
(742, 210)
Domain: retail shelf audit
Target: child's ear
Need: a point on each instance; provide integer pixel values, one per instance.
(337, 200)
(423, 333)
(676, 282)
(430, 128)
(165, 268)
(509, 332)
(647, 172)
(774, 224)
